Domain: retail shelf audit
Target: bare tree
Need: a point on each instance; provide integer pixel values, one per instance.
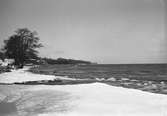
(22, 46)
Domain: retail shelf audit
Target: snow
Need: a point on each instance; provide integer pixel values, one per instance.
(100, 99)
(22, 75)
(6, 62)
(96, 99)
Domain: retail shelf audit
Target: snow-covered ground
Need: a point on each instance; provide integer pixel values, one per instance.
(104, 100)
(22, 75)
(96, 99)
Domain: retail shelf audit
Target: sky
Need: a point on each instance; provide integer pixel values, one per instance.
(103, 31)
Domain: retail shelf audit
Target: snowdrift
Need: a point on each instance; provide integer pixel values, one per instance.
(104, 100)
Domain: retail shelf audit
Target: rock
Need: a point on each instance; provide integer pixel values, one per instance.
(111, 79)
(150, 87)
(162, 83)
(133, 80)
(100, 79)
(139, 84)
(145, 84)
(126, 83)
(149, 82)
(124, 79)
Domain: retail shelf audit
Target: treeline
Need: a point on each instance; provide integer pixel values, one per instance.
(40, 60)
(22, 48)
(64, 61)
(2, 56)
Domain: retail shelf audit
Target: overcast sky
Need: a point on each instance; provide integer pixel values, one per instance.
(103, 31)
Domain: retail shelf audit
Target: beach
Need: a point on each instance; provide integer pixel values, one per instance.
(95, 99)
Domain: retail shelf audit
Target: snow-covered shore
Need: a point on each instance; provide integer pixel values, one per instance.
(99, 99)
(96, 99)
(22, 75)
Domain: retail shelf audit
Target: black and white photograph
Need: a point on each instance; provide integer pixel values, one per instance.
(83, 57)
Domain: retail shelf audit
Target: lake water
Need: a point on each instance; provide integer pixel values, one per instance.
(133, 71)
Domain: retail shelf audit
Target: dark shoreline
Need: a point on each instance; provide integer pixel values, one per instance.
(152, 87)
(96, 74)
